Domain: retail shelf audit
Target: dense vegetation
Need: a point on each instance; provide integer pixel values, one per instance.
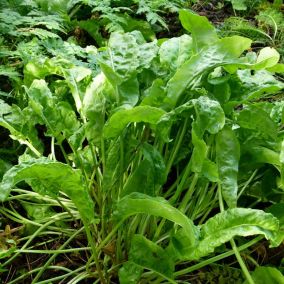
(140, 143)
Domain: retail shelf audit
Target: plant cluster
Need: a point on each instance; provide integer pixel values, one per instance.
(142, 161)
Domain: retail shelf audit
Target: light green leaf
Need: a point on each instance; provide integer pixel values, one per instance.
(96, 97)
(136, 203)
(227, 156)
(119, 120)
(226, 51)
(49, 177)
(202, 31)
(278, 68)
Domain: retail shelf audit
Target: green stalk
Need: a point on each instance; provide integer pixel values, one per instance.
(44, 267)
(234, 246)
(177, 146)
(189, 193)
(181, 185)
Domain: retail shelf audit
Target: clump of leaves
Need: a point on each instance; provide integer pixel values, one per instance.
(112, 155)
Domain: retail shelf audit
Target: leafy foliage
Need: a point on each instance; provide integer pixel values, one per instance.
(164, 150)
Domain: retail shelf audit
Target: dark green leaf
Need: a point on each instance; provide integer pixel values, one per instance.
(227, 156)
(49, 177)
(148, 255)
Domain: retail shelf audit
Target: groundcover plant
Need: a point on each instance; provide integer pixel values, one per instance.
(143, 162)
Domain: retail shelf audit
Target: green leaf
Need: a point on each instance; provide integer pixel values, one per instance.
(59, 117)
(149, 255)
(20, 124)
(199, 153)
(119, 120)
(278, 211)
(265, 275)
(202, 31)
(253, 86)
(226, 51)
(258, 121)
(209, 116)
(175, 51)
(227, 156)
(267, 58)
(49, 177)
(126, 56)
(97, 94)
(174, 116)
(148, 177)
(154, 95)
(239, 4)
(135, 203)
(222, 227)
(130, 273)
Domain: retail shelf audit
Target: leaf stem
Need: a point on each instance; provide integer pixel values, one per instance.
(234, 246)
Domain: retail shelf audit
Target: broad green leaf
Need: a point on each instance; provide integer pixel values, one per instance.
(154, 95)
(278, 211)
(209, 116)
(74, 77)
(149, 255)
(265, 275)
(253, 86)
(136, 203)
(258, 121)
(175, 116)
(49, 177)
(98, 93)
(226, 51)
(222, 227)
(20, 124)
(59, 118)
(125, 57)
(278, 68)
(128, 92)
(227, 157)
(238, 4)
(175, 51)
(92, 27)
(130, 273)
(202, 31)
(120, 119)
(199, 153)
(260, 154)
